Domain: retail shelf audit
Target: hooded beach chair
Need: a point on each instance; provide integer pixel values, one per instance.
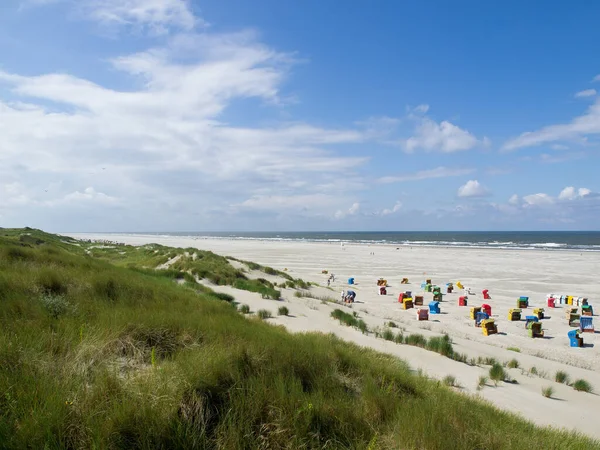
(449, 288)
(551, 302)
(529, 319)
(539, 313)
(434, 307)
(404, 281)
(479, 317)
(586, 324)
(488, 326)
(422, 314)
(523, 302)
(350, 280)
(382, 290)
(418, 300)
(474, 311)
(587, 310)
(574, 339)
(407, 303)
(514, 314)
(486, 295)
(534, 330)
(462, 300)
(487, 309)
(459, 285)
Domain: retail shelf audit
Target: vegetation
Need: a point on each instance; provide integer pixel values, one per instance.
(482, 382)
(98, 355)
(548, 392)
(533, 371)
(513, 364)
(264, 314)
(391, 324)
(245, 309)
(388, 334)
(497, 373)
(582, 385)
(561, 377)
(450, 380)
(514, 349)
(283, 311)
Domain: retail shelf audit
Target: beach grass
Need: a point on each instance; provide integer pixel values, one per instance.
(582, 385)
(548, 391)
(98, 355)
(561, 377)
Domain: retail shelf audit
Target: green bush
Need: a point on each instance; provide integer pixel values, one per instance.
(441, 345)
(561, 377)
(392, 325)
(264, 314)
(417, 340)
(245, 309)
(547, 392)
(497, 373)
(514, 349)
(388, 334)
(55, 305)
(582, 385)
(513, 364)
(283, 311)
(450, 380)
(362, 326)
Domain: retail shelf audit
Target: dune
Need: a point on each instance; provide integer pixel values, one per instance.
(507, 274)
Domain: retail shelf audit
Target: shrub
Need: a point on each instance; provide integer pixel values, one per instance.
(450, 380)
(561, 377)
(55, 305)
(283, 311)
(514, 349)
(533, 371)
(513, 364)
(264, 314)
(497, 373)
(388, 335)
(344, 317)
(582, 385)
(482, 382)
(223, 296)
(362, 326)
(417, 340)
(441, 345)
(245, 309)
(547, 392)
(391, 324)
(399, 339)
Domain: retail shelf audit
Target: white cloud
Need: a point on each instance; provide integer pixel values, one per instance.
(585, 93)
(578, 128)
(444, 137)
(596, 78)
(514, 200)
(397, 207)
(559, 147)
(570, 193)
(472, 188)
(438, 172)
(421, 109)
(352, 211)
(538, 199)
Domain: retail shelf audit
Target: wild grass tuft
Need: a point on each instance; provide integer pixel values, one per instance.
(482, 382)
(264, 314)
(582, 385)
(450, 380)
(514, 349)
(245, 309)
(548, 391)
(497, 373)
(388, 334)
(513, 364)
(561, 377)
(283, 311)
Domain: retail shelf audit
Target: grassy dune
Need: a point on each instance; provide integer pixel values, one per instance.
(97, 351)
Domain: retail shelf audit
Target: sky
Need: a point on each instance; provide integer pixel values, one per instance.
(237, 115)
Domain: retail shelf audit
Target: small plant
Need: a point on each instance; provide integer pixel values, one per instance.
(392, 324)
(497, 373)
(283, 311)
(417, 340)
(533, 371)
(482, 382)
(399, 339)
(582, 386)
(513, 364)
(547, 392)
(264, 314)
(561, 377)
(388, 334)
(55, 305)
(450, 380)
(362, 326)
(153, 357)
(514, 349)
(245, 309)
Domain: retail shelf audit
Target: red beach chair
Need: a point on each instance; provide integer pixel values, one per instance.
(486, 296)
(487, 309)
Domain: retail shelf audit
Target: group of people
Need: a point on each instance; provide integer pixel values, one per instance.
(331, 279)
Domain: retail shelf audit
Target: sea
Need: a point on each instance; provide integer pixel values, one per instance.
(588, 241)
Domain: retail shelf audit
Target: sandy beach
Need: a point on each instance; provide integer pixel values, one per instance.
(507, 274)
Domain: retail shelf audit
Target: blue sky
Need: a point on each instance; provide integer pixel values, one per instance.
(156, 115)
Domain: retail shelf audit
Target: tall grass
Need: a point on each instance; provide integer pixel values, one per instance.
(140, 362)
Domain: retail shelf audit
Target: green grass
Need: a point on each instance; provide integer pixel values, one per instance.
(283, 311)
(512, 364)
(245, 309)
(482, 382)
(582, 385)
(388, 334)
(497, 373)
(264, 314)
(548, 392)
(514, 349)
(561, 377)
(450, 380)
(134, 361)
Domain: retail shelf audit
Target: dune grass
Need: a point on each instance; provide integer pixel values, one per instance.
(561, 377)
(131, 360)
(582, 385)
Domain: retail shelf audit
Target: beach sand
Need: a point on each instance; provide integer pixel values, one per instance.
(507, 274)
